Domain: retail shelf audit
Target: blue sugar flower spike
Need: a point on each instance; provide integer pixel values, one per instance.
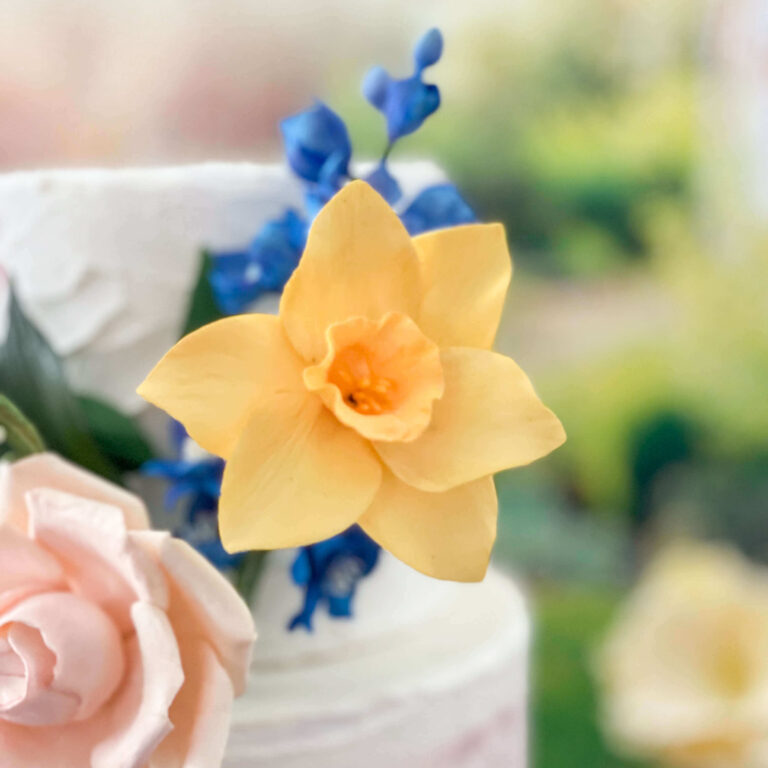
(315, 197)
(332, 178)
(385, 183)
(314, 138)
(330, 571)
(409, 103)
(428, 49)
(238, 279)
(406, 103)
(277, 249)
(375, 86)
(198, 480)
(437, 207)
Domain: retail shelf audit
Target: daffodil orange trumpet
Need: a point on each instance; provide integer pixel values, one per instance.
(373, 398)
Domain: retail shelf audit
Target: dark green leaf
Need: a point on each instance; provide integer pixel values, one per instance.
(31, 375)
(21, 435)
(118, 435)
(202, 306)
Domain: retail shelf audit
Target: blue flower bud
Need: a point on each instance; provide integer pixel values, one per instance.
(313, 138)
(437, 207)
(277, 249)
(428, 49)
(375, 86)
(406, 103)
(238, 279)
(197, 481)
(409, 103)
(385, 183)
(314, 199)
(329, 573)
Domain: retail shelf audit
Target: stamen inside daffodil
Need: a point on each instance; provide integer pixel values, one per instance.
(379, 378)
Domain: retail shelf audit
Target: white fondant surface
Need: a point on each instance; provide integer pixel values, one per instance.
(447, 690)
(393, 599)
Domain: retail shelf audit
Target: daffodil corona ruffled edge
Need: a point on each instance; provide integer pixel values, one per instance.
(373, 398)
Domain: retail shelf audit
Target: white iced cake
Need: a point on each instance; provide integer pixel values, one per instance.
(426, 673)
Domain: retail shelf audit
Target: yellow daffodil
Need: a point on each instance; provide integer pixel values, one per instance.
(373, 398)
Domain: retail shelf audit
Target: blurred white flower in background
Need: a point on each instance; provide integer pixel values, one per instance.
(684, 670)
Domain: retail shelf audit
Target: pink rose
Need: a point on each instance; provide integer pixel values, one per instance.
(120, 647)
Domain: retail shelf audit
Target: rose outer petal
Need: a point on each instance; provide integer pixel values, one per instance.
(46, 470)
(203, 604)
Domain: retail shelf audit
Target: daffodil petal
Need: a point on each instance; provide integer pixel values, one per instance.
(213, 378)
(359, 261)
(489, 419)
(296, 476)
(446, 535)
(465, 273)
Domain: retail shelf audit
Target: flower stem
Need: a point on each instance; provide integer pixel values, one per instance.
(248, 574)
(19, 433)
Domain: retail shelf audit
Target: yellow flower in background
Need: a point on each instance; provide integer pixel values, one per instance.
(373, 398)
(685, 669)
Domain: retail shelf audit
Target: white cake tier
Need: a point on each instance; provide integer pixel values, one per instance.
(446, 689)
(104, 260)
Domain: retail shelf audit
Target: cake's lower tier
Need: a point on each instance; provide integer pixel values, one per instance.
(450, 693)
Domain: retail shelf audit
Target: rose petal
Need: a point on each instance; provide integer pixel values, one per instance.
(489, 419)
(466, 273)
(46, 470)
(25, 693)
(296, 476)
(200, 713)
(156, 678)
(87, 650)
(213, 378)
(203, 604)
(125, 732)
(446, 535)
(90, 541)
(359, 261)
(25, 568)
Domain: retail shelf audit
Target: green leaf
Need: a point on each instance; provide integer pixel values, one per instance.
(202, 305)
(248, 574)
(31, 375)
(21, 435)
(117, 435)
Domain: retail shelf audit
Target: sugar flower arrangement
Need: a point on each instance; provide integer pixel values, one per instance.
(319, 152)
(372, 402)
(370, 412)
